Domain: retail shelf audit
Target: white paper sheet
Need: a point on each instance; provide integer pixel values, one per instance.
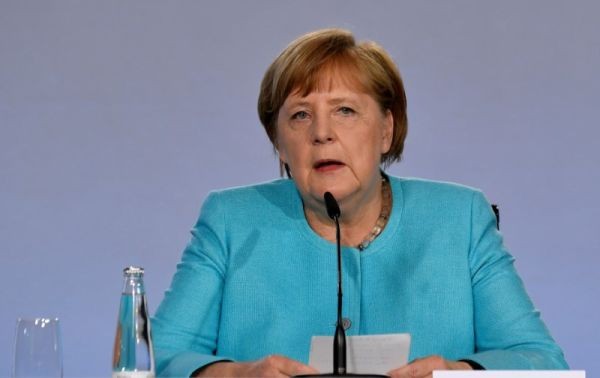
(509, 374)
(375, 354)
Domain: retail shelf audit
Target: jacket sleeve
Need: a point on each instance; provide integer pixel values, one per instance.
(185, 326)
(509, 333)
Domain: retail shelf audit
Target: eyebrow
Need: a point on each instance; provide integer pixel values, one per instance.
(300, 103)
(334, 101)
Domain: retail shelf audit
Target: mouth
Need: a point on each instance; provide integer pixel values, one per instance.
(328, 165)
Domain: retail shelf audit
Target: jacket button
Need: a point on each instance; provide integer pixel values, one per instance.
(346, 323)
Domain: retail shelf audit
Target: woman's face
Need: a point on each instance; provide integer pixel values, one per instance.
(333, 140)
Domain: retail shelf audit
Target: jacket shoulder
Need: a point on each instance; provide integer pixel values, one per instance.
(431, 189)
(254, 200)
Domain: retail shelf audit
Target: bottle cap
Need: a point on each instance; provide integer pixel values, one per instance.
(133, 271)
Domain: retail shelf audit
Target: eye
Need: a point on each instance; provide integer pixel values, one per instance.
(344, 110)
(301, 115)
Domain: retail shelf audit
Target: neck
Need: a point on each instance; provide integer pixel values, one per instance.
(357, 220)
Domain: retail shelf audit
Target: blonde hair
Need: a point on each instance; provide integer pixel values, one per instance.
(315, 58)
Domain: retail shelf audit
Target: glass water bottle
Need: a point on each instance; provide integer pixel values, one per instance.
(133, 355)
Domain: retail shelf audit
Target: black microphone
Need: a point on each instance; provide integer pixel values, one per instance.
(339, 339)
(333, 209)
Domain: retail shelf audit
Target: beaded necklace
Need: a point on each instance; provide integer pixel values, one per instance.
(386, 207)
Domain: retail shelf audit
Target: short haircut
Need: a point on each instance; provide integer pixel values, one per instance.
(319, 56)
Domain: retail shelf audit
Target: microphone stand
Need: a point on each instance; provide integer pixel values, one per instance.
(339, 339)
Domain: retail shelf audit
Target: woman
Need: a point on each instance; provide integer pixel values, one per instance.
(257, 280)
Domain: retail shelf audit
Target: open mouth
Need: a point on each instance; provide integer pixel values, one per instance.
(327, 164)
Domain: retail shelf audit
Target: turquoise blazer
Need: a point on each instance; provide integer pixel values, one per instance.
(255, 280)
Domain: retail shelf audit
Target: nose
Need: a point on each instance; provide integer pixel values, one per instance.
(322, 130)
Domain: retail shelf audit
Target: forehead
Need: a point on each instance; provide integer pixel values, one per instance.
(341, 84)
(334, 75)
(335, 94)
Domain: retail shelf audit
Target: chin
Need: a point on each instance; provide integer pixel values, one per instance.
(338, 191)
(340, 187)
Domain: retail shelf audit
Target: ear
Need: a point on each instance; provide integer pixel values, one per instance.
(281, 154)
(284, 168)
(387, 134)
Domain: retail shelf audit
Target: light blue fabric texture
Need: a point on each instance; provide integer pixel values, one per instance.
(257, 280)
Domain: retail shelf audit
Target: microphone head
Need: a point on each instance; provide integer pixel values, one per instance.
(333, 209)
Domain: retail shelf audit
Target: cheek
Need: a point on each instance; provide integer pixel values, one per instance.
(289, 151)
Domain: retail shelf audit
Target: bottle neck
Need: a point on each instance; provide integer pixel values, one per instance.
(133, 285)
